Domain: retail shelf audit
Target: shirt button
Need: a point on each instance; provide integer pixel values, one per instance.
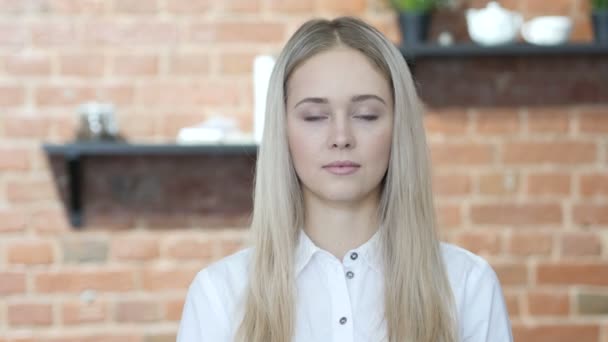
(350, 275)
(354, 255)
(343, 320)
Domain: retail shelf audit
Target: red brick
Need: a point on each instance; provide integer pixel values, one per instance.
(173, 309)
(511, 274)
(136, 6)
(27, 191)
(12, 220)
(452, 184)
(75, 313)
(516, 214)
(188, 248)
(594, 121)
(12, 95)
(17, 126)
(154, 279)
(581, 244)
(291, 6)
(448, 216)
(30, 252)
(480, 242)
(549, 183)
(582, 29)
(55, 33)
(128, 34)
(553, 152)
(138, 311)
(13, 34)
(237, 63)
(530, 243)
(135, 248)
(174, 121)
(344, 7)
(82, 65)
(497, 121)
(28, 64)
(98, 337)
(594, 184)
(553, 7)
(449, 122)
(512, 302)
(78, 7)
(138, 126)
(548, 120)
(188, 6)
(15, 159)
(229, 246)
(55, 95)
(135, 65)
(556, 332)
(76, 281)
(237, 32)
(50, 221)
(189, 93)
(590, 214)
(12, 282)
(189, 64)
(548, 303)
(499, 183)
(461, 154)
(240, 5)
(583, 273)
(29, 314)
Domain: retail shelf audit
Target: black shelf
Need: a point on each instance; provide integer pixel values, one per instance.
(74, 153)
(107, 148)
(508, 50)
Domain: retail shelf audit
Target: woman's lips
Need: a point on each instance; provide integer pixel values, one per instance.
(342, 168)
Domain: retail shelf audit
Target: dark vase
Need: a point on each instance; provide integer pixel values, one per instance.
(414, 27)
(600, 26)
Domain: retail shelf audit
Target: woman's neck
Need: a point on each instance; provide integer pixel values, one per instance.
(338, 227)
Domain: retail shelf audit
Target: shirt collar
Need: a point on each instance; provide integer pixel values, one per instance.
(369, 252)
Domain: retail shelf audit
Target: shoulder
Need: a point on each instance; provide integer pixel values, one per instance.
(227, 275)
(481, 307)
(213, 299)
(462, 264)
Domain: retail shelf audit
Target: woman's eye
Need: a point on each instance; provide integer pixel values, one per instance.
(367, 117)
(314, 118)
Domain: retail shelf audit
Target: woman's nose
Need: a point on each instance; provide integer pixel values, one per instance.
(340, 133)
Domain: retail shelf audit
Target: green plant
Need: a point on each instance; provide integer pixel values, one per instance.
(421, 5)
(414, 5)
(599, 4)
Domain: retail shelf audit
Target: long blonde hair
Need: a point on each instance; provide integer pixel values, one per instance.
(419, 304)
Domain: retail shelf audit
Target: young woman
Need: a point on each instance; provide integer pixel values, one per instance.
(344, 243)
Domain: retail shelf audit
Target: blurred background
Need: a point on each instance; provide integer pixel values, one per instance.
(101, 246)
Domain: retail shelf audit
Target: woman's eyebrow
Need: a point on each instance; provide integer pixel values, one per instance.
(356, 98)
(360, 98)
(321, 100)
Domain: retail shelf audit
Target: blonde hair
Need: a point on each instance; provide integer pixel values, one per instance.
(419, 304)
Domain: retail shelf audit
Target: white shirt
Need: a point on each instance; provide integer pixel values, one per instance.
(341, 301)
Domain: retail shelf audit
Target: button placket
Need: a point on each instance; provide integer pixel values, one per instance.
(341, 304)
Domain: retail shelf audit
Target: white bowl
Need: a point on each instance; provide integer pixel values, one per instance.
(547, 30)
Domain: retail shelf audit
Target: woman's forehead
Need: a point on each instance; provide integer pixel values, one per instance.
(339, 72)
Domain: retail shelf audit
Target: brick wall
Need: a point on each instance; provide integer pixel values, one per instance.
(526, 187)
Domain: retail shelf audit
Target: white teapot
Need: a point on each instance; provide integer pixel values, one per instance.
(493, 25)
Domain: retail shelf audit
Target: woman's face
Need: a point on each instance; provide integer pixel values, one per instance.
(339, 125)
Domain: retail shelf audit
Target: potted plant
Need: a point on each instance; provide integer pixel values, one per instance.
(599, 16)
(414, 19)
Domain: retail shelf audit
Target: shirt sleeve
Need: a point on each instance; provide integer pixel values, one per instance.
(203, 316)
(486, 318)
